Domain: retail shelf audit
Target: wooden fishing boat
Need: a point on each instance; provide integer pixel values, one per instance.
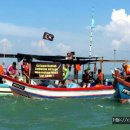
(122, 88)
(37, 91)
(40, 91)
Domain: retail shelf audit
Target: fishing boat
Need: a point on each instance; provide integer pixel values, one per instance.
(122, 87)
(35, 90)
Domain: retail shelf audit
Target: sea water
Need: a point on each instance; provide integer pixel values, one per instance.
(20, 113)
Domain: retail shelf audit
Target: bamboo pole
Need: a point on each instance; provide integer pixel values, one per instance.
(112, 60)
(101, 67)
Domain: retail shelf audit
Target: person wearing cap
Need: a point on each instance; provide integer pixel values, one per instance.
(12, 70)
(25, 68)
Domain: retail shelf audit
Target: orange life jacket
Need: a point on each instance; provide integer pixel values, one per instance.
(1, 69)
(26, 68)
(78, 67)
(101, 76)
(127, 69)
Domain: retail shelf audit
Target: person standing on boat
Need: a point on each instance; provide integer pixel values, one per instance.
(66, 71)
(100, 77)
(12, 70)
(25, 68)
(70, 57)
(66, 74)
(126, 68)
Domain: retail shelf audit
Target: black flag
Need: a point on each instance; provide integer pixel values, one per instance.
(48, 36)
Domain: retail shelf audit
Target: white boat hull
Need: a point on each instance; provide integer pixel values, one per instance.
(28, 90)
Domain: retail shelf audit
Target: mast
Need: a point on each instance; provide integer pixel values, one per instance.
(91, 35)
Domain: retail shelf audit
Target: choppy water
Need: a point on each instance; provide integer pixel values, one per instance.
(19, 113)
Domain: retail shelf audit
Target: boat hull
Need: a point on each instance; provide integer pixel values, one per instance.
(62, 93)
(34, 91)
(122, 90)
(5, 90)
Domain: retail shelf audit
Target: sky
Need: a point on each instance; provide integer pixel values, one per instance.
(23, 23)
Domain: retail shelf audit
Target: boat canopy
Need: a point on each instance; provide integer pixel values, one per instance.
(55, 58)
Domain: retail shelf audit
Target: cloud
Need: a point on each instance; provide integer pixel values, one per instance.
(41, 47)
(118, 30)
(14, 30)
(5, 45)
(23, 35)
(114, 35)
(62, 48)
(120, 16)
(59, 49)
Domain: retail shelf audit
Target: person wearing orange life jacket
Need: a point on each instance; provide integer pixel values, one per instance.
(1, 73)
(25, 68)
(100, 77)
(126, 68)
(77, 68)
(1, 69)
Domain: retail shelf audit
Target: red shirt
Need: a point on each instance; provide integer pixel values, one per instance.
(25, 68)
(101, 76)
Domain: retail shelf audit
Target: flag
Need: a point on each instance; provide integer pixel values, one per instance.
(48, 36)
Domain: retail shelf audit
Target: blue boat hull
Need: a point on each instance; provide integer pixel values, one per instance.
(122, 90)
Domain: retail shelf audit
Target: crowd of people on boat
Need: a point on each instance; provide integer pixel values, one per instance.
(89, 77)
(13, 72)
